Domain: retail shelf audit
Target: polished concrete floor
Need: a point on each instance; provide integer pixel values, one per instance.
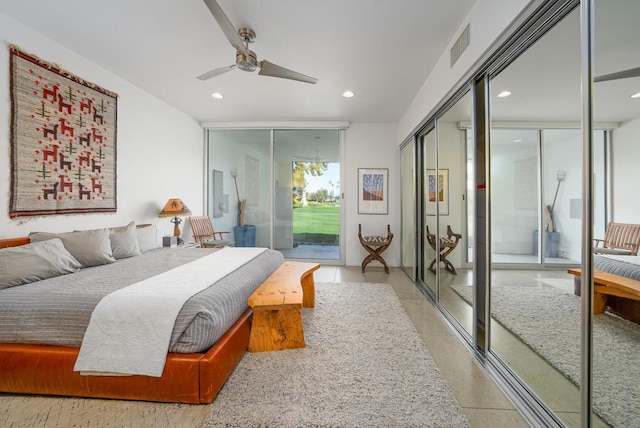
(552, 387)
(332, 252)
(482, 401)
(484, 404)
(314, 252)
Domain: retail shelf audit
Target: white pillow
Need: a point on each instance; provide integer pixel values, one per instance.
(147, 237)
(124, 242)
(35, 261)
(89, 247)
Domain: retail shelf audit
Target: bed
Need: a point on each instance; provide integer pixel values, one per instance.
(210, 335)
(626, 266)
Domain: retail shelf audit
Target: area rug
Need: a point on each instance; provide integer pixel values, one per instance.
(63, 140)
(546, 317)
(364, 365)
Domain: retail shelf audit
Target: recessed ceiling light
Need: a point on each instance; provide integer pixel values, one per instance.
(636, 95)
(217, 95)
(517, 141)
(348, 94)
(504, 94)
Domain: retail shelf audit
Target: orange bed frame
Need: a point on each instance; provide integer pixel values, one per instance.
(187, 378)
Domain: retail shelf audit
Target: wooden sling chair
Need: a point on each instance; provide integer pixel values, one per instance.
(204, 234)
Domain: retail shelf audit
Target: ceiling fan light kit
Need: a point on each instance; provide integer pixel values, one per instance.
(247, 60)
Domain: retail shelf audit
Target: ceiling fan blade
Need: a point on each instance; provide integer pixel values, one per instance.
(227, 27)
(215, 72)
(632, 72)
(270, 69)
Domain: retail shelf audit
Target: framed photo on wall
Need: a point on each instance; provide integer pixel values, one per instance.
(373, 191)
(438, 191)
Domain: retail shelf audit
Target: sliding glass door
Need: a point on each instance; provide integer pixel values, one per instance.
(540, 335)
(454, 273)
(239, 183)
(429, 197)
(616, 104)
(278, 189)
(408, 225)
(536, 170)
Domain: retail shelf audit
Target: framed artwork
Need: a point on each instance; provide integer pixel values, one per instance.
(438, 191)
(373, 191)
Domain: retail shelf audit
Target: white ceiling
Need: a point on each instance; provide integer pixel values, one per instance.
(382, 50)
(545, 80)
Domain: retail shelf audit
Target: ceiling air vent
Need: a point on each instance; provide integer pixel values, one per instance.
(460, 45)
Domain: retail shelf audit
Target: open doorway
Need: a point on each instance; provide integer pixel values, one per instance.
(307, 198)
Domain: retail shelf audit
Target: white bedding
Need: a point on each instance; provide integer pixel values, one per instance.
(130, 329)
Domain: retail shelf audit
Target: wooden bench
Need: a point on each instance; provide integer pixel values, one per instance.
(277, 304)
(607, 284)
(619, 239)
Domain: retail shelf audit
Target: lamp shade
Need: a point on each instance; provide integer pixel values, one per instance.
(173, 208)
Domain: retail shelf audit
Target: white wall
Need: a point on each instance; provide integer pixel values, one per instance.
(370, 145)
(159, 148)
(626, 174)
(488, 19)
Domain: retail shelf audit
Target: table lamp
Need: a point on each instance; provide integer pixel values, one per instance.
(174, 208)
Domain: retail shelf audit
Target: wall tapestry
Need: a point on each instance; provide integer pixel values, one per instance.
(63, 141)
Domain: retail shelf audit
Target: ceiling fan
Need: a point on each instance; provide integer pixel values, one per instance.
(247, 60)
(632, 72)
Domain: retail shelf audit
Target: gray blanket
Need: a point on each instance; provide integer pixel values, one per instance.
(57, 311)
(616, 267)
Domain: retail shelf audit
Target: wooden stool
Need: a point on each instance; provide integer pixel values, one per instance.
(375, 246)
(447, 245)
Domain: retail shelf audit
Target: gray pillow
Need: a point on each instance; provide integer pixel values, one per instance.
(89, 247)
(35, 261)
(147, 237)
(124, 241)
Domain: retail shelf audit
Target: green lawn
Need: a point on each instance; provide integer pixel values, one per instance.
(316, 224)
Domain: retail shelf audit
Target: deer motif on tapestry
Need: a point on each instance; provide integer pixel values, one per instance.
(63, 163)
(96, 136)
(82, 192)
(66, 129)
(46, 132)
(86, 158)
(65, 184)
(53, 92)
(95, 185)
(95, 166)
(62, 105)
(50, 153)
(85, 139)
(53, 192)
(97, 117)
(85, 104)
